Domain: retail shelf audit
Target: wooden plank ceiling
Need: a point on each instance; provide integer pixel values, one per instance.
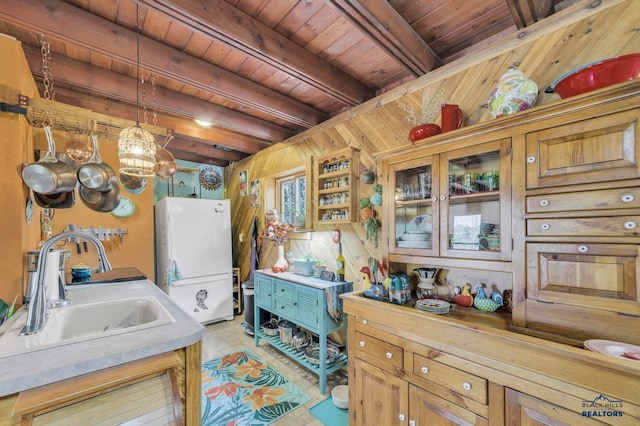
(260, 71)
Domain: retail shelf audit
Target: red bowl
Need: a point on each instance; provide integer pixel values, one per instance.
(597, 75)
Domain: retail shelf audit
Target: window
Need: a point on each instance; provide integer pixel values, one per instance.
(291, 199)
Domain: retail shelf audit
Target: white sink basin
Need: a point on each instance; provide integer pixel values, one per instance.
(70, 324)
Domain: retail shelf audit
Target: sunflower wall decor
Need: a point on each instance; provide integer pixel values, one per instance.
(210, 179)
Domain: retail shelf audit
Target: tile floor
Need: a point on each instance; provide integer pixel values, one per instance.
(226, 337)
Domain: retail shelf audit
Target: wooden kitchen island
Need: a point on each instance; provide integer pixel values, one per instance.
(303, 301)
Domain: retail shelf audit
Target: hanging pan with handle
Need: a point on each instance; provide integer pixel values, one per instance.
(48, 175)
(165, 162)
(100, 201)
(95, 174)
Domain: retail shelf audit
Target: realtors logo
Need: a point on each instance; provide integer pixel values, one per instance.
(602, 406)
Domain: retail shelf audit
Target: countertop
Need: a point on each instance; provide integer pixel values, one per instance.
(300, 279)
(38, 368)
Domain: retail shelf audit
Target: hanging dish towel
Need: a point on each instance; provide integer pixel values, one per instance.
(173, 274)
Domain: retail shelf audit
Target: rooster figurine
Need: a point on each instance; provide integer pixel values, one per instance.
(482, 302)
(366, 277)
(464, 298)
(496, 295)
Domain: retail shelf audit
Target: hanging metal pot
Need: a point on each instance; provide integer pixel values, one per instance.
(133, 184)
(61, 200)
(100, 201)
(95, 174)
(48, 175)
(165, 163)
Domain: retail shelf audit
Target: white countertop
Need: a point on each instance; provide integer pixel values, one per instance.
(41, 367)
(300, 279)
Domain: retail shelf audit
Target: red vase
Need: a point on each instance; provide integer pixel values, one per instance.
(424, 131)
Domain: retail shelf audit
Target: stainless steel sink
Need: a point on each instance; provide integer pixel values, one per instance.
(87, 321)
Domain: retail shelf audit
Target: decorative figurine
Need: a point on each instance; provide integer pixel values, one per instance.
(465, 298)
(482, 302)
(496, 296)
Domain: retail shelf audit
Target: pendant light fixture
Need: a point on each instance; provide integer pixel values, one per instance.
(136, 146)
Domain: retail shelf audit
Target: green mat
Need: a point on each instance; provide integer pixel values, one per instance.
(329, 414)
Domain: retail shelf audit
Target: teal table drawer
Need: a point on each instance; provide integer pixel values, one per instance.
(283, 291)
(284, 307)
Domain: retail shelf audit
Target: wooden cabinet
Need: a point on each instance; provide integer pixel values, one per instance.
(453, 204)
(582, 226)
(306, 306)
(524, 410)
(336, 189)
(407, 367)
(152, 388)
(397, 382)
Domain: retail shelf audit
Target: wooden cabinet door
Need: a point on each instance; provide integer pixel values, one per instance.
(383, 399)
(525, 410)
(597, 276)
(600, 149)
(429, 409)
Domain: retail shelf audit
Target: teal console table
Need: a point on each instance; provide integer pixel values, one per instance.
(303, 301)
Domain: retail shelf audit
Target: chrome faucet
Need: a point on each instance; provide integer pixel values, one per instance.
(38, 306)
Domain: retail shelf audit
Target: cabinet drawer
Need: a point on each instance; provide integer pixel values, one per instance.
(284, 307)
(458, 381)
(283, 291)
(600, 149)
(619, 198)
(614, 226)
(379, 349)
(599, 276)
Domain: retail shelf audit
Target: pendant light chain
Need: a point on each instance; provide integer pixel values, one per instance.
(45, 51)
(137, 66)
(155, 100)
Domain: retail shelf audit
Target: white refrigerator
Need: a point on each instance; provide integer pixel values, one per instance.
(193, 256)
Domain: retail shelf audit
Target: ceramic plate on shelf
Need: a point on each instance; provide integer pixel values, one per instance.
(613, 348)
(420, 223)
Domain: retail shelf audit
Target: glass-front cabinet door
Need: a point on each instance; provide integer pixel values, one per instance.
(454, 204)
(413, 225)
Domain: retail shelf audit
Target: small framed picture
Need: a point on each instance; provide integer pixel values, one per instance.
(244, 182)
(255, 193)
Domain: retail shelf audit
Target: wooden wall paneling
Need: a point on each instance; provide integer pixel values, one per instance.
(581, 34)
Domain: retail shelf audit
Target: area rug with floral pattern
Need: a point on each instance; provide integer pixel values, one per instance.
(241, 390)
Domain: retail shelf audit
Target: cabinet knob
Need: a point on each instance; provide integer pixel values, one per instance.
(443, 197)
(424, 370)
(544, 203)
(434, 198)
(583, 249)
(545, 226)
(401, 417)
(627, 198)
(362, 343)
(531, 159)
(412, 423)
(389, 355)
(364, 322)
(466, 386)
(630, 225)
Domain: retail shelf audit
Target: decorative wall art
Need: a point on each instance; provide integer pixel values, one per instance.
(244, 180)
(210, 178)
(255, 193)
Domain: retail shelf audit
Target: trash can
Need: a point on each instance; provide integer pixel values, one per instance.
(248, 293)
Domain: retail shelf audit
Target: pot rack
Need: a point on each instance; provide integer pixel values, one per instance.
(69, 118)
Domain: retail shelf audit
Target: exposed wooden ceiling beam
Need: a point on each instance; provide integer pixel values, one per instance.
(180, 127)
(385, 27)
(189, 156)
(71, 24)
(117, 86)
(526, 12)
(203, 149)
(219, 20)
